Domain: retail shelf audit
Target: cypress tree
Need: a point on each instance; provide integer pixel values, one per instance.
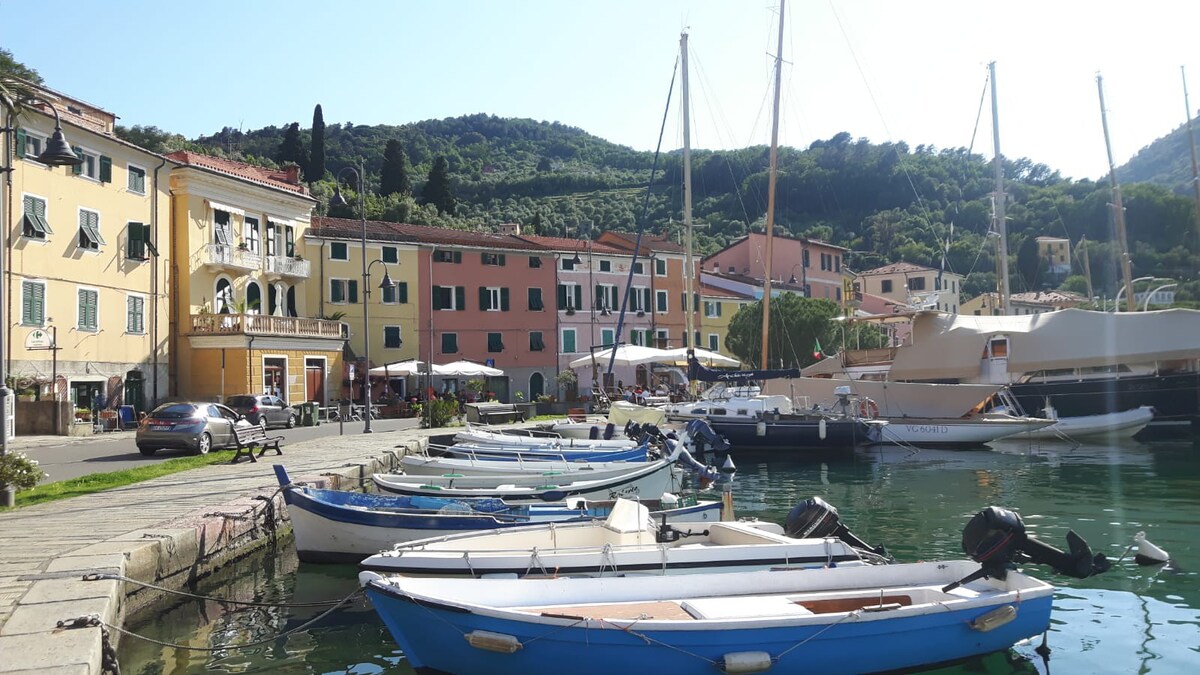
(315, 170)
(437, 188)
(393, 179)
(291, 149)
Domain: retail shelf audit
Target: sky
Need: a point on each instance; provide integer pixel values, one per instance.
(885, 70)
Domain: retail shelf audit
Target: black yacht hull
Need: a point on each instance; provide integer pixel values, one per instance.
(789, 434)
(1175, 397)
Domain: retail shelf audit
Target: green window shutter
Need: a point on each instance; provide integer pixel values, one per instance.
(484, 304)
(20, 149)
(402, 292)
(719, 308)
(562, 296)
(352, 291)
(390, 254)
(436, 297)
(78, 168)
(568, 341)
(503, 299)
(449, 343)
(136, 247)
(290, 241)
(578, 296)
(105, 169)
(502, 260)
(460, 298)
(458, 256)
(27, 303)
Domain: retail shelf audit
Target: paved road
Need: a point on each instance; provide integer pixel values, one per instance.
(115, 451)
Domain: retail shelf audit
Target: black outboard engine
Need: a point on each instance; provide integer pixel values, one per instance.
(816, 518)
(704, 439)
(996, 539)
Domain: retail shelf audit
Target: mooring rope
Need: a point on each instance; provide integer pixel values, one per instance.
(95, 620)
(103, 576)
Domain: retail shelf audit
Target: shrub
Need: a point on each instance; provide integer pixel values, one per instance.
(19, 471)
(437, 413)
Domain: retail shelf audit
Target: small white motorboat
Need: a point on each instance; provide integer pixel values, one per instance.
(428, 465)
(959, 431)
(1124, 424)
(484, 437)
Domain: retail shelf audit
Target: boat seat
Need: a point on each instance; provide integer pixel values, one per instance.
(732, 534)
(743, 607)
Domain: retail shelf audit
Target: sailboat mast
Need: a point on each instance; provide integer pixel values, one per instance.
(766, 301)
(689, 272)
(999, 224)
(1192, 146)
(1118, 207)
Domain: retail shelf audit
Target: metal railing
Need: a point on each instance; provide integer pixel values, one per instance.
(261, 324)
(287, 266)
(230, 256)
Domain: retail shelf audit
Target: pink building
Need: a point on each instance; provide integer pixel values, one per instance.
(811, 265)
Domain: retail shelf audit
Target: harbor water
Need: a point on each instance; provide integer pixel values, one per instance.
(1130, 620)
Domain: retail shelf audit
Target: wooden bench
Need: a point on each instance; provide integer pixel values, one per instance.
(502, 410)
(253, 437)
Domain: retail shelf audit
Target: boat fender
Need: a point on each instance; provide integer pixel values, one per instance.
(493, 642)
(760, 429)
(452, 475)
(822, 430)
(746, 662)
(1148, 553)
(993, 619)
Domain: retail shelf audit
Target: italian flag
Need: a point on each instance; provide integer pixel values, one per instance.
(816, 348)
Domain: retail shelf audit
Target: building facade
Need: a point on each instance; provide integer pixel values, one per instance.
(1056, 251)
(917, 286)
(815, 267)
(86, 279)
(240, 272)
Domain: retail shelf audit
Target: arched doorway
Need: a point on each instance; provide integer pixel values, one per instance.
(537, 386)
(253, 298)
(223, 299)
(291, 302)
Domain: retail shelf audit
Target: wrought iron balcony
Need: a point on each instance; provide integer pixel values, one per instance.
(287, 266)
(223, 256)
(262, 324)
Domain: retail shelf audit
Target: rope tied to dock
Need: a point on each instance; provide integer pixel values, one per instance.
(95, 620)
(105, 576)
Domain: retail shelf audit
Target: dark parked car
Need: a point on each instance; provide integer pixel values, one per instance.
(198, 427)
(265, 410)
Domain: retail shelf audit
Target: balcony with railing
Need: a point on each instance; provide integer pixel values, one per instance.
(262, 324)
(287, 266)
(224, 256)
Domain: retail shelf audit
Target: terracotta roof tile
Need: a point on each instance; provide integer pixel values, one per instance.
(896, 268)
(275, 178)
(650, 242)
(323, 226)
(564, 244)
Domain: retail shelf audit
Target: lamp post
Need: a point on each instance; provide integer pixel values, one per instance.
(58, 152)
(387, 282)
(803, 278)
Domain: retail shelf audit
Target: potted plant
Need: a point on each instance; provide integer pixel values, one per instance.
(243, 246)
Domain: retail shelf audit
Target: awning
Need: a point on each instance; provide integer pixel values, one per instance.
(217, 206)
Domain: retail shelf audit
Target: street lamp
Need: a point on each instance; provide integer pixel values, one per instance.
(387, 282)
(58, 152)
(803, 276)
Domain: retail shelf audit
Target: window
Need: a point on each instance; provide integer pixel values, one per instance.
(451, 298)
(566, 264)
(289, 241)
(391, 255)
(695, 301)
(343, 291)
(605, 265)
(712, 309)
(135, 247)
(535, 299)
(606, 336)
(660, 304)
(805, 257)
(89, 230)
(449, 343)
(223, 298)
(640, 299)
(885, 286)
(447, 257)
(660, 267)
(493, 299)
(492, 259)
(639, 268)
(34, 224)
(534, 262)
(838, 295)
(495, 342)
(89, 298)
(396, 295)
(916, 284)
(606, 297)
(33, 303)
(837, 263)
(663, 336)
(135, 314)
(570, 296)
(391, 337)
(536, 343)
(253, 298)
(96, 167)
(136, 177)
(338, 251)
(714, 342)
(250, 234)
(29, 144)
(568, 341)
(221, 222)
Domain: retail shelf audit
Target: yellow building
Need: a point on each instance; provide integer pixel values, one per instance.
(1056, 251)
(241, 271)
(86, 274)
(717, 307)
(917, 286)
(336, 248)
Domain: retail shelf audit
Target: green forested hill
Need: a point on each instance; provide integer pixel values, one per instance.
(886, 202)
(1166, 162)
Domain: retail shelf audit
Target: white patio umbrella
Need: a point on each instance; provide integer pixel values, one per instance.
(704, 356)
(627, 355)
(466, 369)
(398, 369)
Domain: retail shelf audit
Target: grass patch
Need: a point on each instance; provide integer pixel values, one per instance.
(95, 482)
(546, 418)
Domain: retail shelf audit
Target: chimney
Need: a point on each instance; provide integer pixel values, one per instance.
(510, 228)
(292, 173)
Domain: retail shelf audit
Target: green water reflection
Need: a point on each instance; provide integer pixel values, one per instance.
(1132, 619)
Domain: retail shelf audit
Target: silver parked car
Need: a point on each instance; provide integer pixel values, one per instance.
(264, 410)
(198, 427)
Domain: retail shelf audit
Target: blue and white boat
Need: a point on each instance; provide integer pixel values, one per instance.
(514, 453)
(834, 620)
(340, 526)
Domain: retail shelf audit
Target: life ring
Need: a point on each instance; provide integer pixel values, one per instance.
(868, 409)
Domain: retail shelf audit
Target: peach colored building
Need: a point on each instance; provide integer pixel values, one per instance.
(813, 266)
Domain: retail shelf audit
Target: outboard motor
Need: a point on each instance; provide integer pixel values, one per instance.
(816, 518)
(704, 439)
(996, 539)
